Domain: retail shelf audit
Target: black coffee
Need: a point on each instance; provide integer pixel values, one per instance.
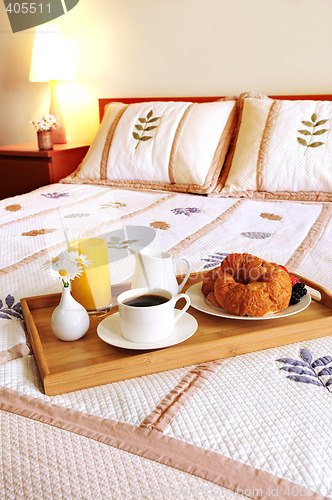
(147, 300)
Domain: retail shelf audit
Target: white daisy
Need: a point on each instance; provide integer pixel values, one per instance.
(46, 122)
(81, 258)
(65, 268)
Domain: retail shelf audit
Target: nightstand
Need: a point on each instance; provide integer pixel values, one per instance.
(23, 167)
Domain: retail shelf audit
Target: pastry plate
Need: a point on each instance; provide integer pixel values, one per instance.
(198, 302)
(109, 331)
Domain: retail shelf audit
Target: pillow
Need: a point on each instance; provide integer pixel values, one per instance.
(283, 150)
(175, 146)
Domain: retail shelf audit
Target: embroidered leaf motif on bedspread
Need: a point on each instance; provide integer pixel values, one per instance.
(322, 361)
(159, 224)
(13, 208)
(37, 232)
(113, 204)
(311, 133)
(214, 260)
(10, 309)
(119, 243)
(54, 195)
(186, 211)
(255, 235)
(306, 356)
(270, 216)
(74, 216)
(143, 126)
(308, 371)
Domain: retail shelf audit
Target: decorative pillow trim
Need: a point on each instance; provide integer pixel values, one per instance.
(261, 159)
(108, 143)
(137, 184)
(176, 142)
(278, 195)
(229, 159)
(221, 151)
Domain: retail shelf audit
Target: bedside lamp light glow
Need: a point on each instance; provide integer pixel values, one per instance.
(50, 62)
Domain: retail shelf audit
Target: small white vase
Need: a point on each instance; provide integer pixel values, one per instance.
(70, 321)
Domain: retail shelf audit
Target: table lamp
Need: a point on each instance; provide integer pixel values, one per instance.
(50, 62)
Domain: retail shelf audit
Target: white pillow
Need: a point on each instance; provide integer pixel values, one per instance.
(283, 150)
(175, 146)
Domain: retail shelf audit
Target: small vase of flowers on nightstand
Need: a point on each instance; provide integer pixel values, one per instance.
(44, 126)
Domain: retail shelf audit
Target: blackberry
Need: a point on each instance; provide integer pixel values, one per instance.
(298, 291)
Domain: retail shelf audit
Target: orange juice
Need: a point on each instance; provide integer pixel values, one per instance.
(93, 288)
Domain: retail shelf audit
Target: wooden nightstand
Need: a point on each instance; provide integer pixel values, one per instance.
(23, 167)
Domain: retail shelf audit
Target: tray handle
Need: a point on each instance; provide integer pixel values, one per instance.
(325, 295)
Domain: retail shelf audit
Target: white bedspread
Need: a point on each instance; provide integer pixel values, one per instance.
(232, 428)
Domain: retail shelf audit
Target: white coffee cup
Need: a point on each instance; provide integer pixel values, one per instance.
(149, 323)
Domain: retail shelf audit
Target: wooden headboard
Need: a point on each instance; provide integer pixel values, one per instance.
(129, 100)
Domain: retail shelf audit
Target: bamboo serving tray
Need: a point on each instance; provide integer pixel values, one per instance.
(87, 362)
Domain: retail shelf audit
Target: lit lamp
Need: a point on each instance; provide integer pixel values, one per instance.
(50, 62)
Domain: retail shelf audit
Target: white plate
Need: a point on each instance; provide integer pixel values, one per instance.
(198, 302)
(109, 331)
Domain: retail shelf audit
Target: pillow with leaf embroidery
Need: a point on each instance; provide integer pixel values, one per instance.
(176, 146)
(283, 150)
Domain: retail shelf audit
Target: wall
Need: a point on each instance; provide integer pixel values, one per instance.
(168, 47)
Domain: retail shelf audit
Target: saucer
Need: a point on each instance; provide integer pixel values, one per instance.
(109, 331)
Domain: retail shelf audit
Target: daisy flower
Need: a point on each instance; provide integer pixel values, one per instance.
(45, 123)
(80, 258)
(65, 267)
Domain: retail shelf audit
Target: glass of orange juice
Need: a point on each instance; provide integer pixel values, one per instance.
(93, 288)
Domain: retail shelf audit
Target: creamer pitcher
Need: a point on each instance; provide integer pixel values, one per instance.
(155, 269)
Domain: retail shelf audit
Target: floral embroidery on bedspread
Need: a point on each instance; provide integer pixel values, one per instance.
(309, 371)
(270, 216)
(37, 232)
(159, 224)
(13, 208)
(9, 309)
(214, 259)
(54, 195)
(113, 204)
(186, 211)
(119, 243)
(77, 215)
(256, 235)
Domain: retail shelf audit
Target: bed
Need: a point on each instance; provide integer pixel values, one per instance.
(257, 425)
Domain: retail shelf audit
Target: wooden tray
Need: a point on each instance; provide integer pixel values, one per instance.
(69, 366)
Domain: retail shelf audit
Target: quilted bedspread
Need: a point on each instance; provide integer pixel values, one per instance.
(256, 425)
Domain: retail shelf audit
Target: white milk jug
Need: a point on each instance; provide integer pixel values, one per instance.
(155, 269)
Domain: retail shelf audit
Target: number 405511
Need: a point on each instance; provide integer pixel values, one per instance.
(28, 8)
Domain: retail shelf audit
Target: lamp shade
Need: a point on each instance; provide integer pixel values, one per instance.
(50, 62)
(50, 58)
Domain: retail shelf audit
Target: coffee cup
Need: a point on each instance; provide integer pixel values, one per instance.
(148, 314)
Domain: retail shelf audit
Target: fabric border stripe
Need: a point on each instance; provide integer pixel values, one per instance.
(153, 445)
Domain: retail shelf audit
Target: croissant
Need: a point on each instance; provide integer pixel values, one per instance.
(246, 285)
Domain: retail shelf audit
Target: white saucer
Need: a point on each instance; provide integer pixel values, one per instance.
(109, 331)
